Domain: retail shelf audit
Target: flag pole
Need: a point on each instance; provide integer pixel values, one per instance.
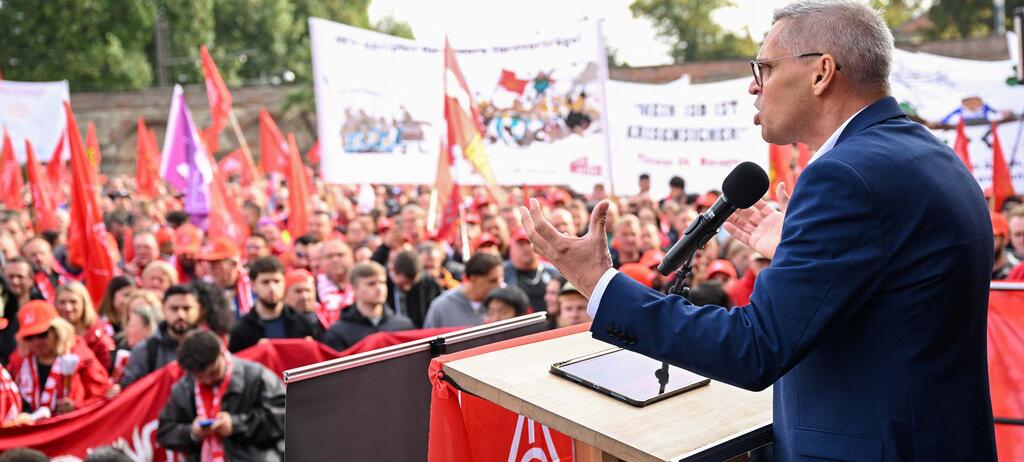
(250, 164)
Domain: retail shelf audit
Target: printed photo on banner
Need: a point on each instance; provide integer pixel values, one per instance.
(380, 101)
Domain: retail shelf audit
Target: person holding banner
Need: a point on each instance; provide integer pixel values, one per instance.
(870, 322)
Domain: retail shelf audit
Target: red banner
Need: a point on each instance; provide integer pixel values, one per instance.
(129, 421)
(464, 427)
(1006, 369)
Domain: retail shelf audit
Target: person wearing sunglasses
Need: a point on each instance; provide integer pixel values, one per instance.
(54, 368)
(869, 323)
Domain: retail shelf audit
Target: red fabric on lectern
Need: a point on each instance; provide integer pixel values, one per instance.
(464, 427)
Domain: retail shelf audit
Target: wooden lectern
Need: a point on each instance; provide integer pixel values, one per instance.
(715, 422)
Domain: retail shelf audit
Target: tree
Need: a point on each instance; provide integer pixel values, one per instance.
(966, 18)
(692, 33)
(897, 12)
(391, 26)
(92, 43)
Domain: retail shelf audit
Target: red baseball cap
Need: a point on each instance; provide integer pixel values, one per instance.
(639, 273)
(520, 235)
(164, 235)
(722, 266)
(219, 248)
(188, 239)
(296, 276)
(34, 318)
(652, 258)
(384, 225)
(485, 239)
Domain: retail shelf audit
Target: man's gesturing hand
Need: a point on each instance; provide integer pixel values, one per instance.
(582, 260)
(760, 226)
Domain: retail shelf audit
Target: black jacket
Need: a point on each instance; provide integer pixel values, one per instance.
(249, 329)
(353, 327)
(8, 343)
(417, 299)
(255, 400)
(149, 355)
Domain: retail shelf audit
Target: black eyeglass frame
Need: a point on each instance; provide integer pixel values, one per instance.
(755, 65)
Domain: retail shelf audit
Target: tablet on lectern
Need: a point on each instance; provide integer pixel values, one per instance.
(628, 376)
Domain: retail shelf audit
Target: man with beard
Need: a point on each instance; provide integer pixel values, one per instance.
(270, 318)
(181, 315)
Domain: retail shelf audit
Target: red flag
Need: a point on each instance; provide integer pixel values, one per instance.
(56, 171)
(780, 168)
(273, 146)
(128, 246)
(145, 173)
(87, 237)
(92, 147)
(1002, 183)
(220, 100)
(960, 145)
(298, 192)
(510, 82)
(448, 197)
(11, 184)
(313, 155)
(465, 126)
(225, 219)
(234, 164)
(42, 200)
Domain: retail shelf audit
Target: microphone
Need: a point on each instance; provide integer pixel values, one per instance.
(744, 185)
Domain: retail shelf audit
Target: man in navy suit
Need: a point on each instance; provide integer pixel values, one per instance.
(870, 321)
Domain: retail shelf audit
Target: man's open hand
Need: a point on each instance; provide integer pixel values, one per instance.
(582, 260)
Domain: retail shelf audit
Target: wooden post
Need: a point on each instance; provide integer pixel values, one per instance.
(245, 145)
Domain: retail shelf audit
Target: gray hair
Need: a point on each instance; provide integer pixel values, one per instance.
(852, 32)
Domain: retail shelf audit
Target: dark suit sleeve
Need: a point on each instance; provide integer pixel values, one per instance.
(831, 256)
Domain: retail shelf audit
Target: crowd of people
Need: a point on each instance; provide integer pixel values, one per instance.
(359, 270)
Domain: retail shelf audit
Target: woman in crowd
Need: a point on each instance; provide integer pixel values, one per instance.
(158, 276)
(53, 368)
(75, 305)
(114, 307)
(144, 316)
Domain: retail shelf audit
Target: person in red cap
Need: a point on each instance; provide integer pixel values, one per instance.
(1001, 266)
(488, 243)
(525, 270)
(721, 270)
(188, 240)
(300, 291)
(54, 369)
(225, 267)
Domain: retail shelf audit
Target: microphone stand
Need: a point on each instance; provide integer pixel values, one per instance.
(681, 287)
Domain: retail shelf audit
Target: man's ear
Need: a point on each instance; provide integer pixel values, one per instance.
(824, 74)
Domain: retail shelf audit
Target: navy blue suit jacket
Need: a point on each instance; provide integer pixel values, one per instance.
(870, 321)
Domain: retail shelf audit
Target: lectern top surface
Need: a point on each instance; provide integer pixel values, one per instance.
(674, 429)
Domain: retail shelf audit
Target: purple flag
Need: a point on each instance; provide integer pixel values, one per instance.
(185, 164)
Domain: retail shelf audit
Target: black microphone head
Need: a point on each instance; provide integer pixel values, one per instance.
(745, 185)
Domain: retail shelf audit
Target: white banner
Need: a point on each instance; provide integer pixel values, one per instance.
(33, 111)
(380, 106)
(697, 132)
(934, 87)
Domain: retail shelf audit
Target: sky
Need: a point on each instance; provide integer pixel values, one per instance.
(633, 39)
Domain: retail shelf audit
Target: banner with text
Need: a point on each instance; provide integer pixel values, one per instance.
(698, 132)
(380, 106)
(33, 111)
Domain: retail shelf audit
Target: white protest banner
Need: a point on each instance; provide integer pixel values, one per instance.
(33, 111)
(380, 106)
(698, 132)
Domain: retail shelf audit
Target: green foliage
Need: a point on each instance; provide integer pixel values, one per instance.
(86, 42)
(967, 18)
(111, 44)
(690, 30)
(897, 12)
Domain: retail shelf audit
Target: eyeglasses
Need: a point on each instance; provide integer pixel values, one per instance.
(756, 65)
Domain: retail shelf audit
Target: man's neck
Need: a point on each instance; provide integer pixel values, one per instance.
(370, 310)
(25, 297)
(469, 294)
(832, 116)
(269, 312)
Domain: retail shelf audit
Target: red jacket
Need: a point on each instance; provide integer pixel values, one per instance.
(88, 383)
(97, 338)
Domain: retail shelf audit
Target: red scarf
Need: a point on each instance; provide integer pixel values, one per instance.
(208, 401)
(57, 385)
(243, 290)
